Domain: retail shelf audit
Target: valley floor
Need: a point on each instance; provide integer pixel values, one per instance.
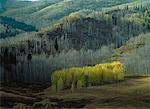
(133, 93)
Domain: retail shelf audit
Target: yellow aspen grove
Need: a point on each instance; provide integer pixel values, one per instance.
(79, 77)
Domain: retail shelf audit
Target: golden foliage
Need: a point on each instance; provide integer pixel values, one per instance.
(79, 77)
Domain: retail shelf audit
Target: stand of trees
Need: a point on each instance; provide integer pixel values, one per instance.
(137, 61)
(82, 77)
(31, 68)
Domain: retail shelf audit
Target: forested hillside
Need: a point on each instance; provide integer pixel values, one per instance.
(11, 27)
(135, 55)
(82, 38)
(44, 13)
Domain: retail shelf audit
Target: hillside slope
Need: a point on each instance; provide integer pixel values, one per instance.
(11, 27)
(44, 13)
(135, 55)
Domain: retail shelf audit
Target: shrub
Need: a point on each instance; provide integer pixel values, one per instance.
(44, 104)
(79, 77)
(21, 106)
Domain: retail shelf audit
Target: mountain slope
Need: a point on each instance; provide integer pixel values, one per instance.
(43, 14)
(135, 55)
(11, 27)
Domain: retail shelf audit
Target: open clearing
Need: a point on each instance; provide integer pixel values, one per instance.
(133, 93)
